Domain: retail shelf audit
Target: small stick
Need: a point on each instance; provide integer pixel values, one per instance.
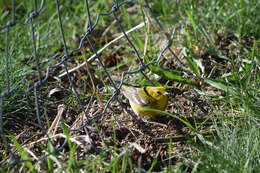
(83, 51)
(100, 50)
(54, 125)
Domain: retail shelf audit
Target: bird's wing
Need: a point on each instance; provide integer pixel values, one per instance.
(131, 93)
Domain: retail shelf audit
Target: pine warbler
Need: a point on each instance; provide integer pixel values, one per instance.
(146, 97)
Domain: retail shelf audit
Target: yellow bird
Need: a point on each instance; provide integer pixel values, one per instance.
(146, 97)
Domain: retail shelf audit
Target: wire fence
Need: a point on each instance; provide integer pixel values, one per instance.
(63, 63)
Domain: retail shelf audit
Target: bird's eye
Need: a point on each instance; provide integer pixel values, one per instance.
(159, 92)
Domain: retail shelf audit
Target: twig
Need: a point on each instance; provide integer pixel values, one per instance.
(83, 52)
(60, 135)
(54, 125)
(100, 50)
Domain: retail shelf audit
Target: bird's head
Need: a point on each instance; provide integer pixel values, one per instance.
(156, 92)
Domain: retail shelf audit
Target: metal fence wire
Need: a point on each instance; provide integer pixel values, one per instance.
(63, 63)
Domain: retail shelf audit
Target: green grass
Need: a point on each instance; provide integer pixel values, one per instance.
(220, 43)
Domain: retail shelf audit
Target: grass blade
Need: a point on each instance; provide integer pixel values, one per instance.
(170, 75)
